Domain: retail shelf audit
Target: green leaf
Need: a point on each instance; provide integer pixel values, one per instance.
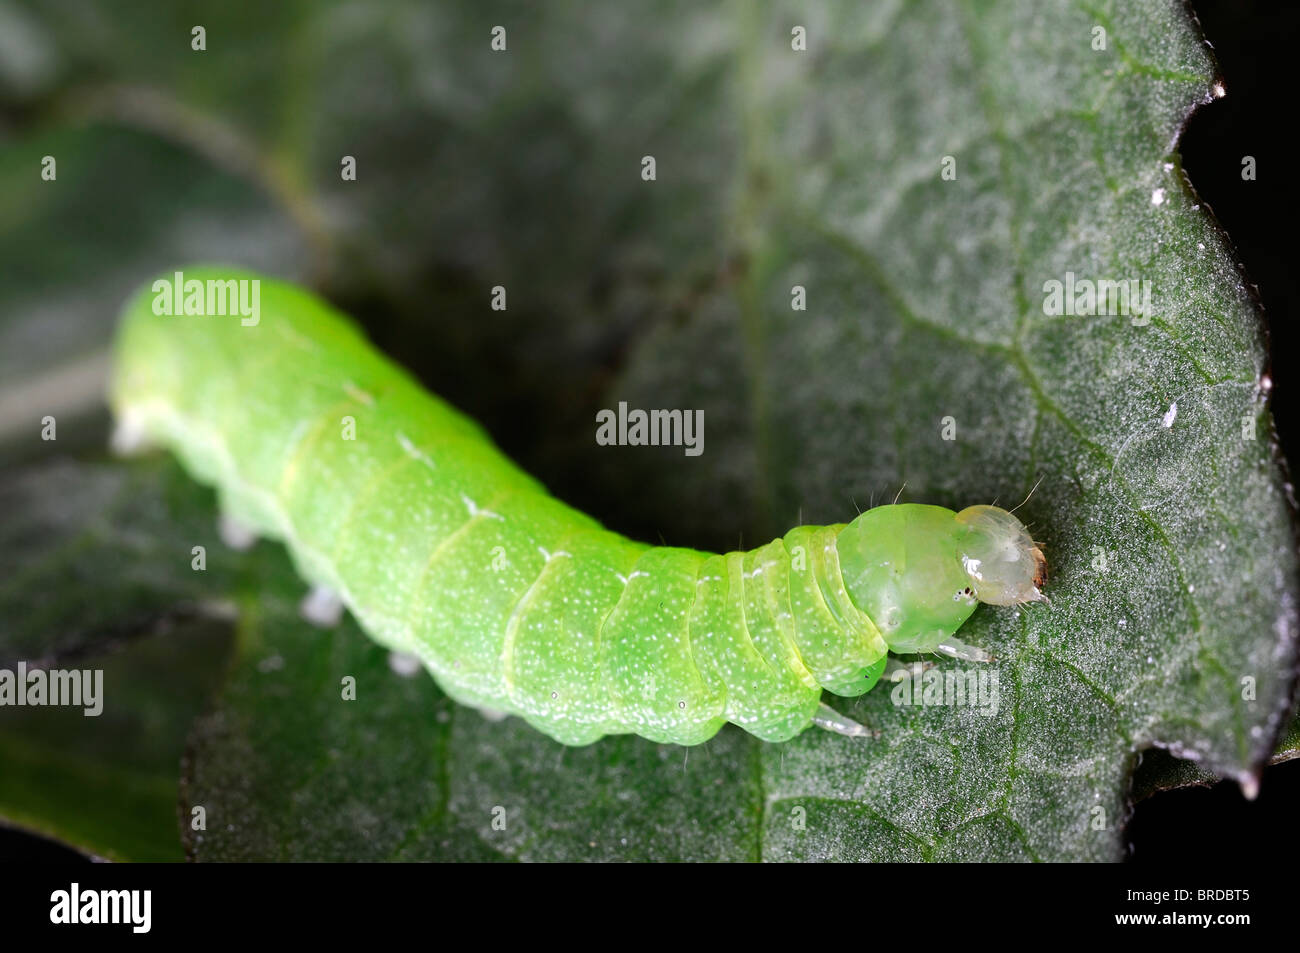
(1158, 500)
(96, 568)
(291, 770)
(1158, 770)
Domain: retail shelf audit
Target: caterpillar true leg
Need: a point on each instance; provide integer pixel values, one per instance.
(828, 718)
(404, 664)
(130, 436)
(954, 647)
(235, 533)
(322, 607)
(896, 671)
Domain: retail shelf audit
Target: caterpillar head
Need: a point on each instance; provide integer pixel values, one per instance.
(919, 571)
(1004, 564)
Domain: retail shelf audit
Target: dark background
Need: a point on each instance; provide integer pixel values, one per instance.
(1253, 41)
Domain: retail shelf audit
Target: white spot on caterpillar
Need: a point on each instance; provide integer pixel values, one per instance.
(1167, 420)
(972, 567)
(322, 607)
(356, 393)
(475, 511)
(294, 338)
(1158, 197)
(235, 534)
(413, 451)
(404, 663)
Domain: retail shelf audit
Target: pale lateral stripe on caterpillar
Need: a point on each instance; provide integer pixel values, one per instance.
(442, 548)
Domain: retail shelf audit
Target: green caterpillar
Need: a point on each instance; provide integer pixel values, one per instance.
(444, 549)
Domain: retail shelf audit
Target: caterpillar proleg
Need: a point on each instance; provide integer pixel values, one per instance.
(442, 548)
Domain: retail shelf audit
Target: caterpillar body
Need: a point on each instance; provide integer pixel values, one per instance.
(441, 547)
